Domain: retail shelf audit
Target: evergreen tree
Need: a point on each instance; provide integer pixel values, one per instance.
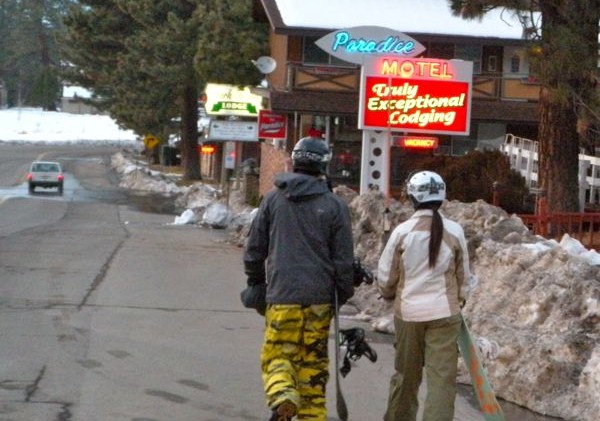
(160, 62)
(29, 56)
(566, 58)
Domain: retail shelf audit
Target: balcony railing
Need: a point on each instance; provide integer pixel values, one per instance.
(322, 78)
(330, 78)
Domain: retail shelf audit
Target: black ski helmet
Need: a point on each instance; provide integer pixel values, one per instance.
(311, 155)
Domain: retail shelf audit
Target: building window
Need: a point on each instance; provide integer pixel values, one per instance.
(441, 50)
(313, 54)
(492, 64)
(469, 52)
(346, 142)
(515, 63)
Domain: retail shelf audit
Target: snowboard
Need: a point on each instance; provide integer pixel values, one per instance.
(340, 402)
(490, 407)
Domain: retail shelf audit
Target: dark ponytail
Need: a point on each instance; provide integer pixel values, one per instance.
(435, 239)
(436, 233)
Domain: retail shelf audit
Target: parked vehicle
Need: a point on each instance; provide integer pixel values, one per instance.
(46, 174)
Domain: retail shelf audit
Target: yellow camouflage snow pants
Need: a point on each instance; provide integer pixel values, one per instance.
(294, 360)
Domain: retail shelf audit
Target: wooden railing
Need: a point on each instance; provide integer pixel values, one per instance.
(499, 87)
(326, 78)
(330, 78)
(583, 226)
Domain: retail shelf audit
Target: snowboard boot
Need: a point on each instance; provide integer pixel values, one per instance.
(284, 412)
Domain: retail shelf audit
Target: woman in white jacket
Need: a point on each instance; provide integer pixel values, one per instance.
(424, 268)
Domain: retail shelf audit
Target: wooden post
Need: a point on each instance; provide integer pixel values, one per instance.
(496, 194)
(542, 214)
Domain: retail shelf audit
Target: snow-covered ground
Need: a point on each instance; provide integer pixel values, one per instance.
(537, 304)
(33, 125)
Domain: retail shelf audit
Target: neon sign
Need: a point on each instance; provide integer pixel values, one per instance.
(359, 44)
(390, 45)
(426, 68)
(416, 95)
(416, 142)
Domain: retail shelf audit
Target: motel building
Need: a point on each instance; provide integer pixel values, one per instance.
(382, 86)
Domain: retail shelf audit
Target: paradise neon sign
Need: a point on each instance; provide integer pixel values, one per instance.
(417, 95)
(360, 44)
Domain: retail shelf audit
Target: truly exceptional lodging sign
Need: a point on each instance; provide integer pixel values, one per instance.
(417, 95)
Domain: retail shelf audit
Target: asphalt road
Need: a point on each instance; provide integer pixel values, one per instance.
(109, 312)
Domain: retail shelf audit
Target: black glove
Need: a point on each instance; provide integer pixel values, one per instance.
(255, 296)
(361, 273)
(344, 295)
(252, 280)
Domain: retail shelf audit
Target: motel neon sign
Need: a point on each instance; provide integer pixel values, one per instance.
(420, 95)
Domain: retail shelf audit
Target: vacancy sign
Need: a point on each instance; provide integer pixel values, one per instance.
(415, 142)
(416, 95)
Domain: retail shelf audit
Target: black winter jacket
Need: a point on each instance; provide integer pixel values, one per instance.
(304, 234)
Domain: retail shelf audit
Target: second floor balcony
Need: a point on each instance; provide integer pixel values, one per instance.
(492, 86)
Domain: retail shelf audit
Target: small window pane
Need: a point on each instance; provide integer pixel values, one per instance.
(312, 53)
(469, 52)
(442, 50)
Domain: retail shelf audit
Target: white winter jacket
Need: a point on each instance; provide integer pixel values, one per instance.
(421, 293)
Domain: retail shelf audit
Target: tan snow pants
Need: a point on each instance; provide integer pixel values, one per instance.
(431, 345)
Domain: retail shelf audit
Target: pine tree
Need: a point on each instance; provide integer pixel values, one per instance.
(158, 67)
(566, 57)
(29, 56)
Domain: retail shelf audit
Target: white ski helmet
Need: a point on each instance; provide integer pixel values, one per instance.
(426, 186)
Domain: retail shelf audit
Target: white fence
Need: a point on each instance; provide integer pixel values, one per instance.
(523, 155)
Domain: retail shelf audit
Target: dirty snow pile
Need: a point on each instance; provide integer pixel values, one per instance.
(201, 203)
(539, 300)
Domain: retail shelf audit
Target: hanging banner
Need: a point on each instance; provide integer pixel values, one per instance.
(271, 125)
(419, 95)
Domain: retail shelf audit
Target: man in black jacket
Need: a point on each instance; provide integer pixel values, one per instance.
(303, 233)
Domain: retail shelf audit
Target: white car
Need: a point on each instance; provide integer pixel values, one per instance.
(46, 174)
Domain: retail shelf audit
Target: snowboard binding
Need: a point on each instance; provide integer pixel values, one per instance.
(353, 340)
